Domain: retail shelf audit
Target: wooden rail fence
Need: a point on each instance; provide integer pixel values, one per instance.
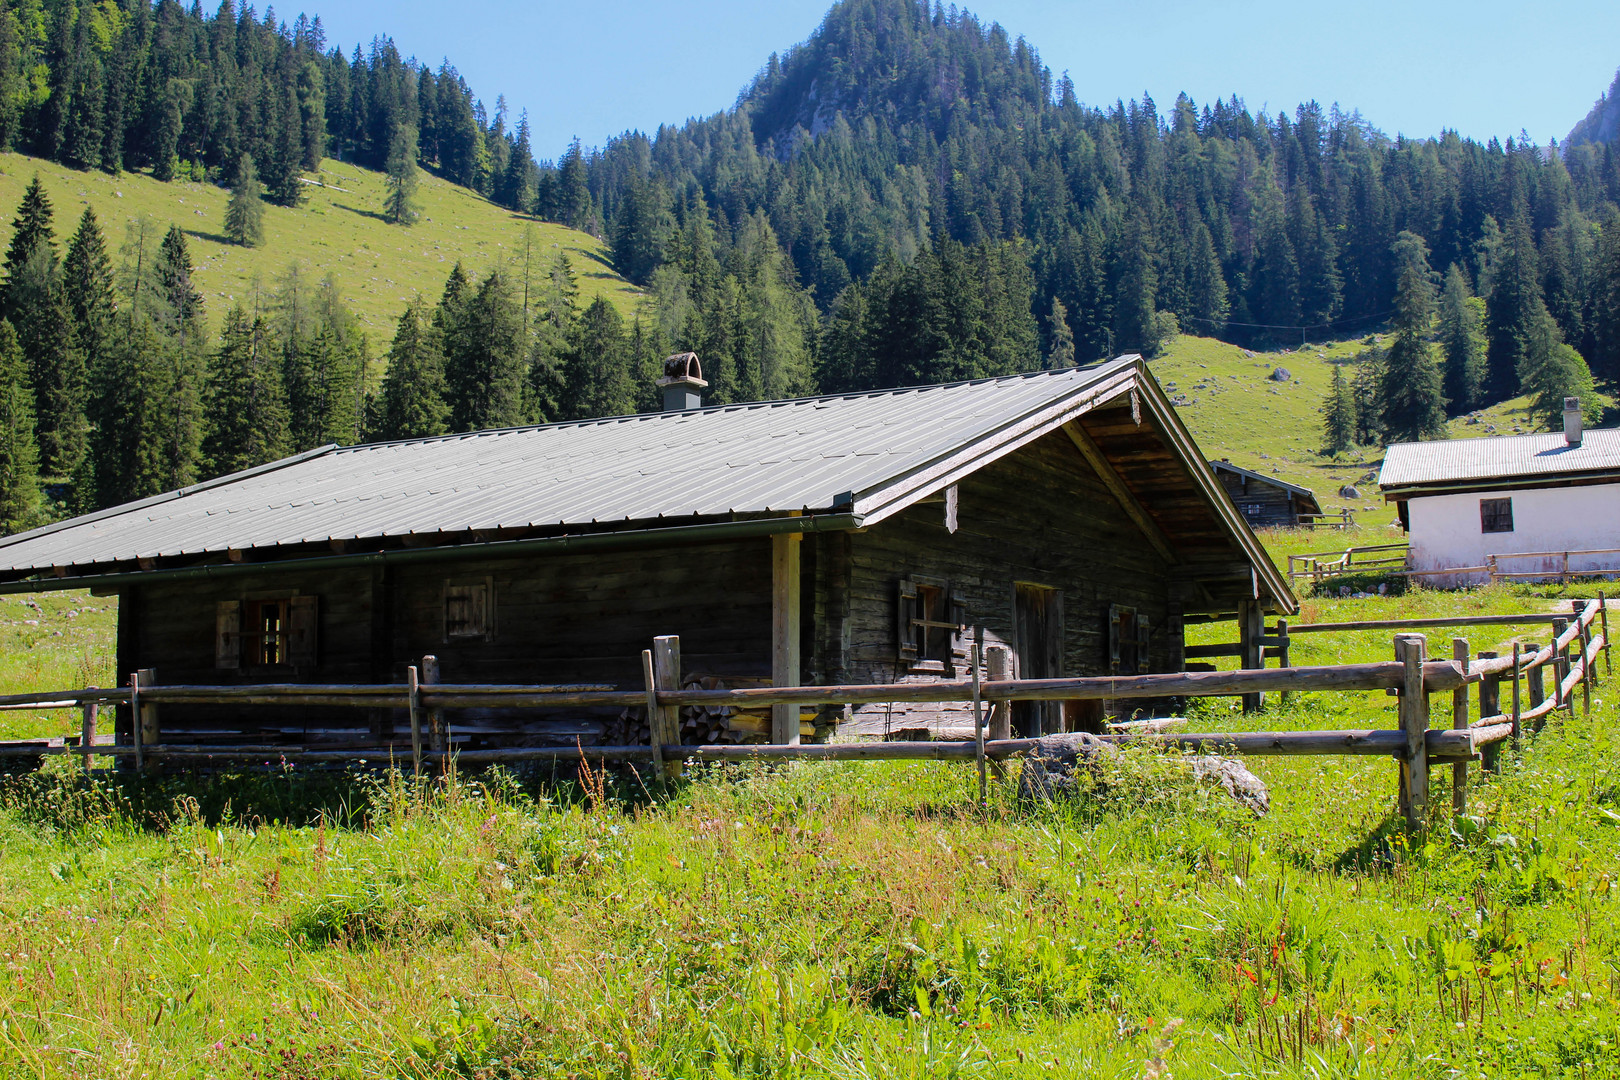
(1413, 676)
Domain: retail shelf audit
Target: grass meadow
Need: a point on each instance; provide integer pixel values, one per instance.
(339, 230)
(828, 920)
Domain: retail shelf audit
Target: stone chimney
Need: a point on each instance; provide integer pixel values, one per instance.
(682, 382)
(1572, 421)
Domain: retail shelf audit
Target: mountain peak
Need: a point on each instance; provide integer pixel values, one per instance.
(1602, 124)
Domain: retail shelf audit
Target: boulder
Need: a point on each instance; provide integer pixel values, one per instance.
(1350, 491)
(1281, 374)
(1051, 770)
(1238, 781)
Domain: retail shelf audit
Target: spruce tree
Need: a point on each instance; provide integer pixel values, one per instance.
(19, 456)
(1338, 416)
(400, 205)
(413, 404)
(1557, 372)
(1060, 353)
(87, 284)
(1513, 310)
(1411, 391)
(596, 371)
(244, 215)
(1605, 303)
(485, 358)
(30, 229)
(246, 403)
(1462, 339)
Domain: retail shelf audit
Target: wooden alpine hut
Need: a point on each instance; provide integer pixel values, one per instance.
(856, 538)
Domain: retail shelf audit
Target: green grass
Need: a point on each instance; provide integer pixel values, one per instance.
(1235, 411)
(839, 920)
(339, 229)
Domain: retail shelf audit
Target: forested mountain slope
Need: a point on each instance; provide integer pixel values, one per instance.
(1602, 124)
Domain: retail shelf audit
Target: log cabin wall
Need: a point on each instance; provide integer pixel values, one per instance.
(1039, 516)
(554, 619)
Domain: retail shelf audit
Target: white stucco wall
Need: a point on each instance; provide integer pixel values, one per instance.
(1445, 530)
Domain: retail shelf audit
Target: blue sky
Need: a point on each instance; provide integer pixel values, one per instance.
(1487, 68)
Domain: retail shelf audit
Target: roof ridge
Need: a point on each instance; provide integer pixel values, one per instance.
(849, 395)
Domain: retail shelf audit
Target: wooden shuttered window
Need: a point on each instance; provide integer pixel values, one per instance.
(469, 610)
(1496, 515)
(930, 624)
(276, 632)
(1129, 636)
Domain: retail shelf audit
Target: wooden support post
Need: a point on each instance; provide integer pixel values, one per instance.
(665, 720)
(785, 613)
(1538, 690)
(87, 733)
(1518, 742)
(997, 664)
(1411, 650)
(414, 688)
(135, 723)
(651, 683)
(1282, 654)
(1583, 643)
(1251, 628)
(1490, 704)
(438, 739)
(1459, 722)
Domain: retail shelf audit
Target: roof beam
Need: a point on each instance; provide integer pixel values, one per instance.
(1116, 486)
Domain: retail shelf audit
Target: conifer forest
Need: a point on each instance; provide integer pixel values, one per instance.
(909, 196)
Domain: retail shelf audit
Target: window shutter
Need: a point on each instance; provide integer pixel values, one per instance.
(906, 611)
(303, 623)
(1114, 616)
(1142, 663)
(228, 635)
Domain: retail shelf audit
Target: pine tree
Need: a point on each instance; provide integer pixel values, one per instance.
(19, 456)
(1513, 311)
(1338, 416)
(246, 404)
(413, 404)
(1060, 354)
(1605, 303)
(87, 283)
(485, 358)
(1411, 391)
(244, 215)
(1556, 372)
(176, 373)
(1462, 339)
(596, 371)
(400, 206)
(1365, 388)
(30, 229)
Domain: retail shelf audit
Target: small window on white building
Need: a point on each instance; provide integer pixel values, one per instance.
(1495, 515)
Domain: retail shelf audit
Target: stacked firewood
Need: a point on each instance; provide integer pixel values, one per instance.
(710, 724)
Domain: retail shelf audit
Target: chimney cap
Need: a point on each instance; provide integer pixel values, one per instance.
(682, 368)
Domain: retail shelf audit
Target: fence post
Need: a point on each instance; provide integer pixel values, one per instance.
(1517, 740)
(978, 731)
(1459, 722)
(148, 731)
(996, 659)
(87, 732)
(665, 720)
(414, 688)
(1410, 650)
(1603, 613)
(1538, 690)
(1490, 704)
(1560, 662)
(1584, 643)
(651, 682)
(436, 733)
(1251, 628)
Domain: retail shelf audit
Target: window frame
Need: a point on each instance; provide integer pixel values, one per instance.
(471, 630)
(1493, 512)
(929, 625)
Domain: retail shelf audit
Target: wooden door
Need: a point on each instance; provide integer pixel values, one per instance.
(1038, 643)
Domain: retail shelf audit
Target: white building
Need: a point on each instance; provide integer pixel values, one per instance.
(1530, 506)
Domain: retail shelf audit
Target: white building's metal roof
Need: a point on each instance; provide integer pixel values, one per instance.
(1497, 461)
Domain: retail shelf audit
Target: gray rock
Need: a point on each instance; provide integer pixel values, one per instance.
(1238, 781)
(1281, 374)
(1051, 770)
(1349, 491)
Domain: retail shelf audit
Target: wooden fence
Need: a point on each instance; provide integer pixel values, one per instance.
(1344, 519)
(1318, 566)
(1412, 676)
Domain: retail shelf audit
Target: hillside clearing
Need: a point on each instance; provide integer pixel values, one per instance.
(338, 230)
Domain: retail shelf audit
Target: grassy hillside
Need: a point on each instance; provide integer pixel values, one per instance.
(1234, 410)
(338, 229)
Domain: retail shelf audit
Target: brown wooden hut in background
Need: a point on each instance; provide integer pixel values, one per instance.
(1265, 501)
(867, 537)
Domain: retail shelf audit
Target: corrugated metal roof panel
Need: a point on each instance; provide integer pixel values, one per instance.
(1533, 457)
(750, 458)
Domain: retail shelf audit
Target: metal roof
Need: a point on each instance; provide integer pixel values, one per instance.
(867, 454)
(1494, 461)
